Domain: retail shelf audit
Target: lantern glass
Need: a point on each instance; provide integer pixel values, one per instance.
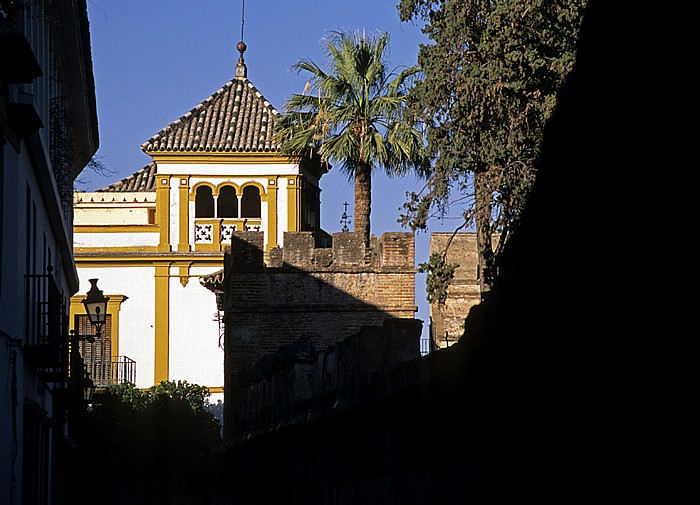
(96, 306)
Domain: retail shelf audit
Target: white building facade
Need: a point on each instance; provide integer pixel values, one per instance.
(151, 237)
(48, 134)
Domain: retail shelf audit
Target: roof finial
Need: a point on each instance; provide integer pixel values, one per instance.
(241, 70)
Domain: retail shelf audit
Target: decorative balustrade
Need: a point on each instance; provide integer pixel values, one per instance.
(110, 371)
(214, 234)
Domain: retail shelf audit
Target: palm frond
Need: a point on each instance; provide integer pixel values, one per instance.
(352, 112)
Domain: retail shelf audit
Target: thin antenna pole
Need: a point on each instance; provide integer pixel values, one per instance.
(242, 18)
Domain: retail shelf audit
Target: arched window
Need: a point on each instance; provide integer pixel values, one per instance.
(250, 206)
(227, 203)
(204, 202)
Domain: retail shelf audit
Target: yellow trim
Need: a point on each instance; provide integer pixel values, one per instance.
(163, 211)
(257, 185)
(216, 389)
(228, 183)
(184, 204)
(185, 274)
(214, 189)
(293, 203)
(219, 157)
(272, 184)
(161, 324)
(113, 308)
(116, 228)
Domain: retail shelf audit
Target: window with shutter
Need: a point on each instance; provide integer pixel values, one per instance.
(97, 355)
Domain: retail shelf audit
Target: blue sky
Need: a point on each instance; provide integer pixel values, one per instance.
(154, 60)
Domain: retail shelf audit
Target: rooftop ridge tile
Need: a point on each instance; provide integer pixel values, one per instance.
(235, 118)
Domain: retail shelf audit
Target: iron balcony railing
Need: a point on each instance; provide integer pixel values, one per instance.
(46, 345)
(123, 370)
(110, 371)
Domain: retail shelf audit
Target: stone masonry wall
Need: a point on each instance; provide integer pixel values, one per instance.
(300, 383)
(327, 294)
(447, 322)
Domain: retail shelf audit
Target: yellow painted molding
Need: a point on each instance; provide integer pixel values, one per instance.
(214, 247)
(113, 308)
(253, 183)
(228, 183)
(184, 274)
(161, 360)
(116, 228)
(163, 211)
(216, 389)
(219, 157)
(214, 189)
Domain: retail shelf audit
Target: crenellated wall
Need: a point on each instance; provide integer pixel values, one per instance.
(271, 299)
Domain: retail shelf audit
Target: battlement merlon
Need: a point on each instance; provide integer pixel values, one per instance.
(392, 252)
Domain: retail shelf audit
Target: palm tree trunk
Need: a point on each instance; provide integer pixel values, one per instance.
(363, 200)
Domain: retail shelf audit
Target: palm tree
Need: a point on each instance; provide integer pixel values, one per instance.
(352, 116)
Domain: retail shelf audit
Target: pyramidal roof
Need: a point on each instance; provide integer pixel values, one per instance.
(141, 181)
(237, 118)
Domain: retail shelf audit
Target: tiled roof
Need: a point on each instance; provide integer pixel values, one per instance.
(143, 180)
(237, 118)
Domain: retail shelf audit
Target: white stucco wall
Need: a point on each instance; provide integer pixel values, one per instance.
(226, 169)
(195, 354)
(128, 208)
(136, 315)
(174, 217)
(114, 215)
(139, 239)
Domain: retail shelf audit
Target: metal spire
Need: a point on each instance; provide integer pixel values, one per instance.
(241, 70)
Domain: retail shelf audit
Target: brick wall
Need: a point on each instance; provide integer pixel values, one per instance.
(447, 322)
(327, 294)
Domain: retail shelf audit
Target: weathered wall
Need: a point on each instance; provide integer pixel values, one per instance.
(272, 299)
(301, 383)
(447, 321)
(575, 384)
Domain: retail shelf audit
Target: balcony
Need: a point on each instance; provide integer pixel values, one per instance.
(111, 371)
(45, 342)
(212, 234)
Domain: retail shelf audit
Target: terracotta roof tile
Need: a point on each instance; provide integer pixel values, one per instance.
(143, 180)
(237, 118)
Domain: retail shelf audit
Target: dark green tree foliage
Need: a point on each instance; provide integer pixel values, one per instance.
(491, 78)
(440, 273)
(146, 443)
(353, 115)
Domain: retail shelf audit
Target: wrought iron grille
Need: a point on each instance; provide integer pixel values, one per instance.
(45, 322)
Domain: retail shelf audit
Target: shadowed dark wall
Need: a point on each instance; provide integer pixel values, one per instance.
(572, 387)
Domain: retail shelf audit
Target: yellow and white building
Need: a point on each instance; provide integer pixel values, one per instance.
(151, 237)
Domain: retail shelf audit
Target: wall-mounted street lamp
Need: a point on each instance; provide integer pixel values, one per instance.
(96, 307)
